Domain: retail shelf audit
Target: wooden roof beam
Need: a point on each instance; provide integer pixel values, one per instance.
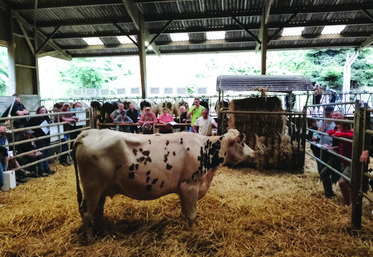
(41, 35)
(137, 18)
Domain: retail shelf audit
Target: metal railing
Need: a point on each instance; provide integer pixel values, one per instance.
(14, 135)
(361, 123)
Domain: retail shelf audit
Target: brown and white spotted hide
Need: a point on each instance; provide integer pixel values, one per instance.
(146, 167)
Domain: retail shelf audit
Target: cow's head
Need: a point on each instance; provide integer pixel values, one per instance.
(234, 147)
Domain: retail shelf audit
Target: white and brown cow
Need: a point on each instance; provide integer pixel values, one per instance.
(146, 167)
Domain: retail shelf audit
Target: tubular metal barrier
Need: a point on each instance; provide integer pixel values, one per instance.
(56, 138)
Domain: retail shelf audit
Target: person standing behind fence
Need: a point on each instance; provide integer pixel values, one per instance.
(205, 124)
(195, 112)
(17, 109)
(78, 108)
(40, 132)
(183, 118)
(326, 142)
(134, 115)
(66, 117)
(317, 94)
(345, 149)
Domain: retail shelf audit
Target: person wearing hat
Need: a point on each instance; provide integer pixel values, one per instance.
(147, 121)
(29, 157)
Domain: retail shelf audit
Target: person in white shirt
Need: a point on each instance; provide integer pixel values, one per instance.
(205, 124)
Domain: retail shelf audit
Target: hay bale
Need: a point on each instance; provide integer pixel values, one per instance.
(266, 130)
(261, 125)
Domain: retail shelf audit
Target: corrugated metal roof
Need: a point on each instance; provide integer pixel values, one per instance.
(271, 83)
(240, 19)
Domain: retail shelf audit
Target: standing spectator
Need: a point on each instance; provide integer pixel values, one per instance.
(317, 94)
(345, 149)
(66, 117)
(17, 109)
(289, 101)
(333, 97)
(165, 118)
(323, 153)
(40, 132)
(69, 118)
(148, 121)
(29, 157)
(77, 107)
(183, 118)
(205, 124)
(195, 113)
(134, 115)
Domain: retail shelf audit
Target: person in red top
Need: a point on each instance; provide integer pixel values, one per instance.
(165, 118)
(344, 149)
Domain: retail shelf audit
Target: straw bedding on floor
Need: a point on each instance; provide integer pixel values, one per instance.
(245, 213)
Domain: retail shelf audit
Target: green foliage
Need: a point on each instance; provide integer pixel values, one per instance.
(92, 73)
(191, 89)
(243, 69)
(4, 79)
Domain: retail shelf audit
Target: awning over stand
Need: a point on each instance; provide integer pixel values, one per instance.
(270, 83)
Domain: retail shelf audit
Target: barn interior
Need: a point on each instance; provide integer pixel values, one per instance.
(246, 212)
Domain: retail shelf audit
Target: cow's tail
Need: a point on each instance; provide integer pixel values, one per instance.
(78, 189)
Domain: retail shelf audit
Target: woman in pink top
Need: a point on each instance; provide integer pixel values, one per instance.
(165, 118)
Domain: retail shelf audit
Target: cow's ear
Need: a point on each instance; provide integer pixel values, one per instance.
(232, 141)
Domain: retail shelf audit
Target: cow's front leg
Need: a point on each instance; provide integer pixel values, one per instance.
(188, 198)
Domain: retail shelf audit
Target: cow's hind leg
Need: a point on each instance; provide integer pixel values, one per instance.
(188, 198)
(87, 210)
(98, 217)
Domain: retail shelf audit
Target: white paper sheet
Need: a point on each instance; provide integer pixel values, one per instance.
(43, 128)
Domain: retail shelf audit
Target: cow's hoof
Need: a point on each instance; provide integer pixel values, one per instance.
(192, 222)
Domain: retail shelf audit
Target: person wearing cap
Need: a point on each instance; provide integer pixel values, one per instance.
(147, 121)
(195, 112)
(29, 157)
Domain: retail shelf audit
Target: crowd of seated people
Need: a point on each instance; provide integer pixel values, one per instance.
(198, 116)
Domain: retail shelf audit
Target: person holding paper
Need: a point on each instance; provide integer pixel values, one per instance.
(165, 118)
(43, 120)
